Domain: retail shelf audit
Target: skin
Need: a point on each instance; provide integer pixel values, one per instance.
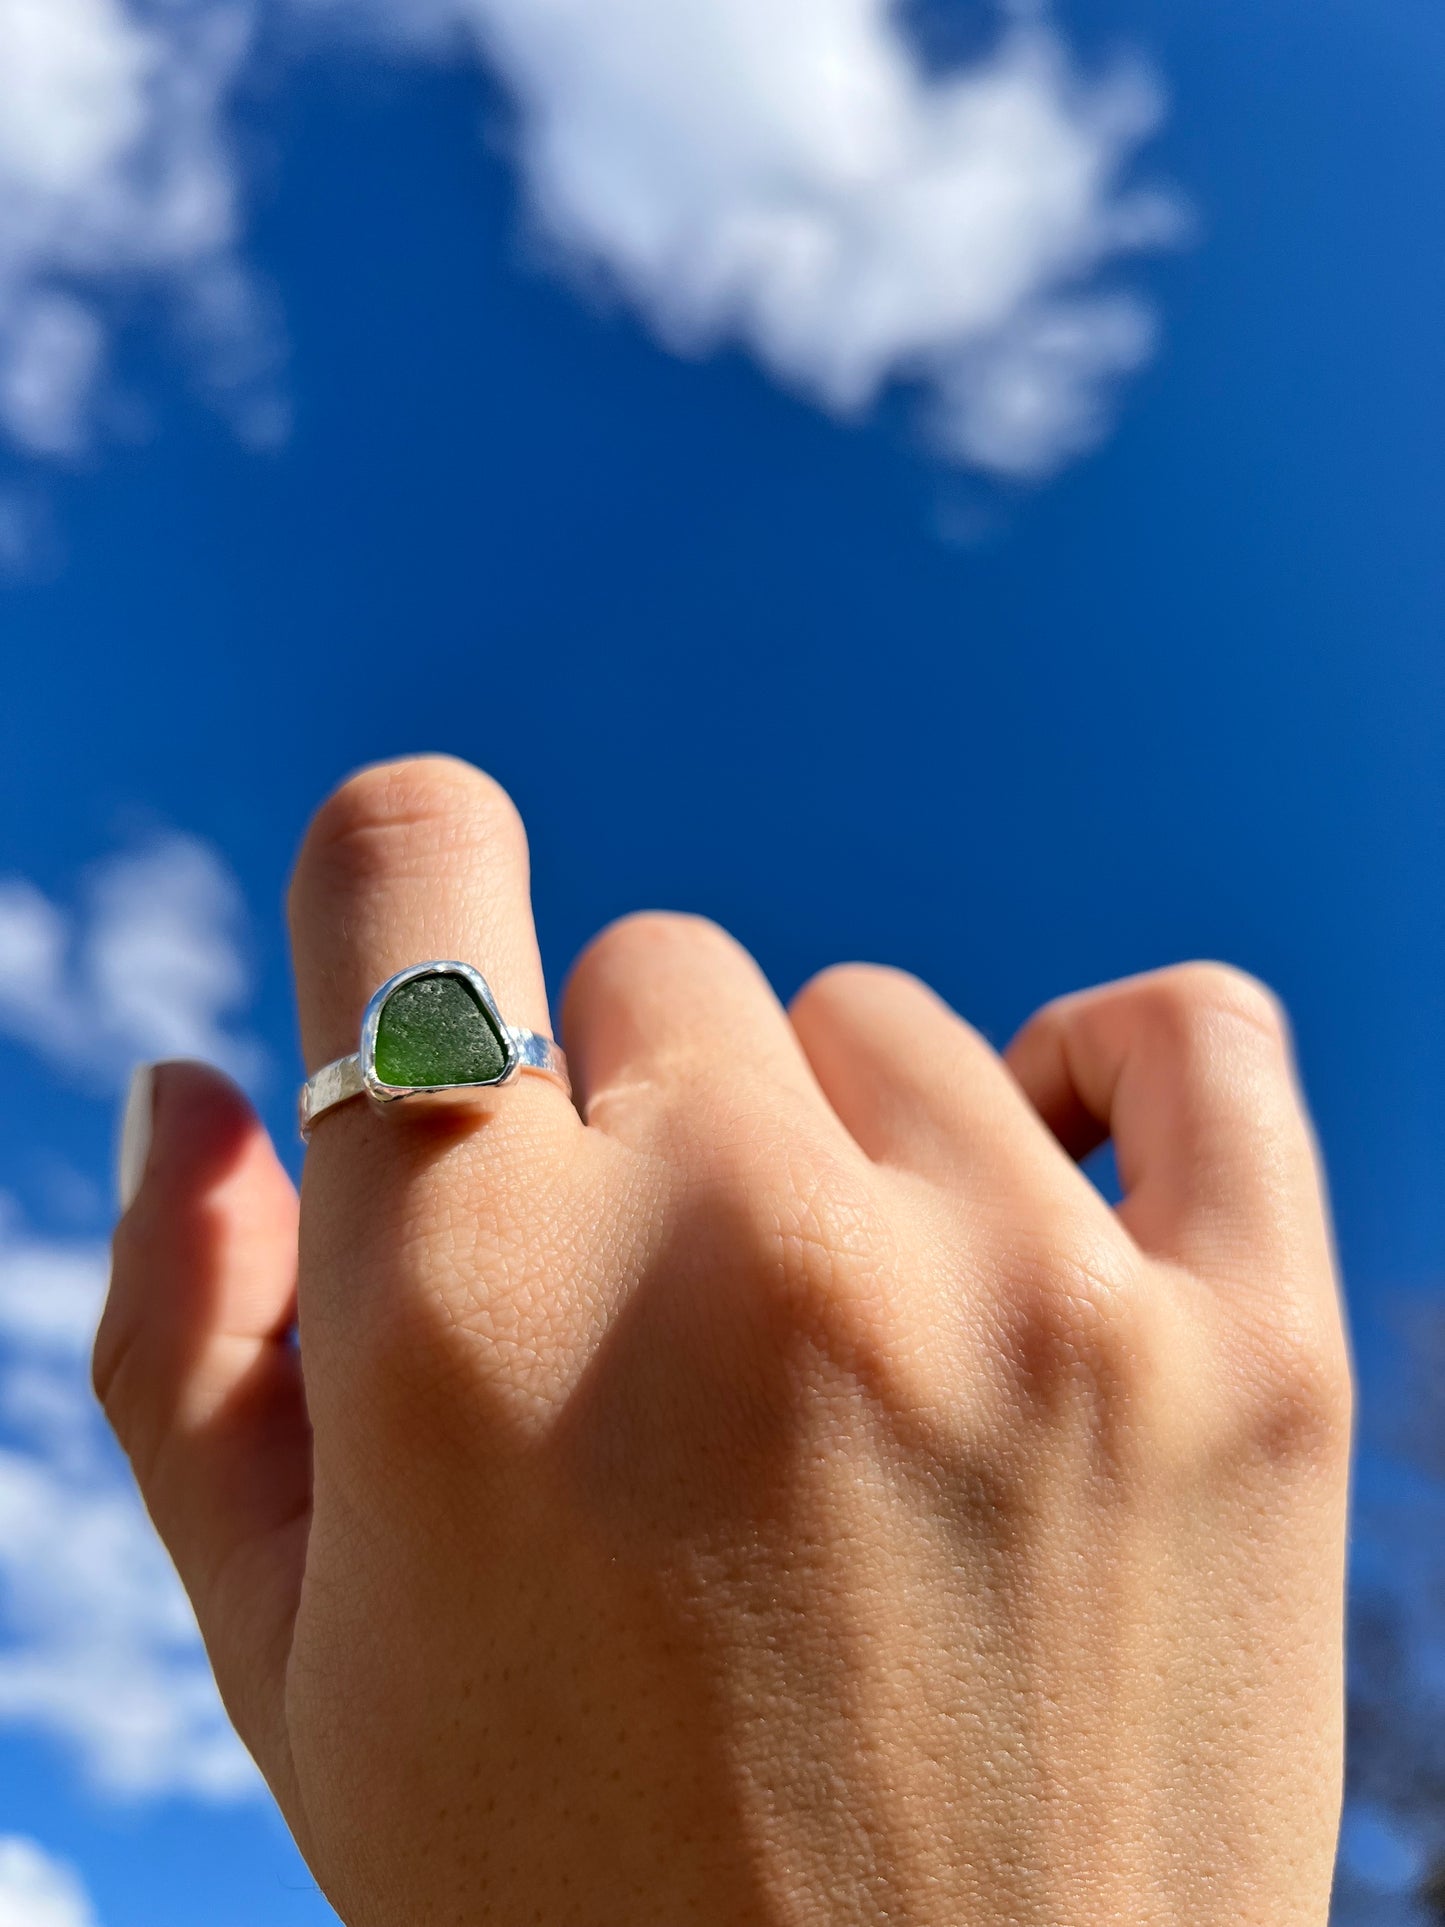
(780, 1490)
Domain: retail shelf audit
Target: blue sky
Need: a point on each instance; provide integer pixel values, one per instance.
(451, 466)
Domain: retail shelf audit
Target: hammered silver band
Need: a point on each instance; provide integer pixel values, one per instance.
(356, 1075)
(335, 1083)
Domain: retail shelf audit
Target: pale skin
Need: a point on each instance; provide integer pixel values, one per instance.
(779, 1491)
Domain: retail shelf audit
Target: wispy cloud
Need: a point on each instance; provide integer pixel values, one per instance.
(98, 1646)
(150, 965)
(38, 1891)
(791, 179)
(116, 178)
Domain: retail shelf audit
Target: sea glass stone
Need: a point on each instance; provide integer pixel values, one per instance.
(434, 1030)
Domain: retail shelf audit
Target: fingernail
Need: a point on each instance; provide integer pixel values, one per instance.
(135, 1134)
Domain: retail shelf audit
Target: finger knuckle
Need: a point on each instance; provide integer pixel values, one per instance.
(819, 1256)
(393, 814)
(658, 934)
(1206, 995)
(846, 983)
(1080, 1333)
(1295, 1400)
(1049, 1022)
(669, 953)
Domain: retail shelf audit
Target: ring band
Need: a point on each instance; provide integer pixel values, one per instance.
(432, 1028)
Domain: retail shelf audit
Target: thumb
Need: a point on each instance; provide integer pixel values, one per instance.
(201, 1383)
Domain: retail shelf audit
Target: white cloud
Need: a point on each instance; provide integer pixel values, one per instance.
(151, 966)
(26, 545)
(101, 1651)
(1038, 393)
(56, 347)
(790, 178)
(98, 1646)
(50, 1290)
(37, 1891)
(115, 175)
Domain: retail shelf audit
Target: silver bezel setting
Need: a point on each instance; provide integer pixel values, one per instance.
(384, 1093)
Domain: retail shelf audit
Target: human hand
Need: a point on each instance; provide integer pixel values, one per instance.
(790, 1496)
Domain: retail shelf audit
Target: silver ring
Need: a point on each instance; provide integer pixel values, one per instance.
(429, 1029)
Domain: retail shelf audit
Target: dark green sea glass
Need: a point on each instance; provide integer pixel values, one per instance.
(433, 1030)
